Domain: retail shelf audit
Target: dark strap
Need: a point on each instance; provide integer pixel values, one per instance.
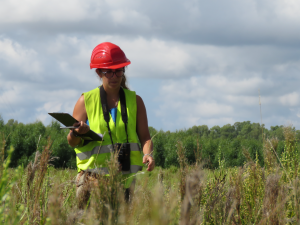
(105, 110)
(123, 109)
(103, 98)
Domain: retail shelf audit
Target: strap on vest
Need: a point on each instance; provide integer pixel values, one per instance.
(123, 109)
(105, 110)
(103, 97)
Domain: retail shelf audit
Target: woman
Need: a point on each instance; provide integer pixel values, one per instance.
(123, 126)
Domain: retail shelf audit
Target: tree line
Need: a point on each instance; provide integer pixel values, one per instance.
(209, 145)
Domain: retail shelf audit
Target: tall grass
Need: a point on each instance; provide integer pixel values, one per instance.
(40, 194)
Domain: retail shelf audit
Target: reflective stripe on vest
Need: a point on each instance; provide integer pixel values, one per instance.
(104, 170)
(103, 149)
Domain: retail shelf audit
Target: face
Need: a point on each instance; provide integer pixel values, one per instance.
(110, 78)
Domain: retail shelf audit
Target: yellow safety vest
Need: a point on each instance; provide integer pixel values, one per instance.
(93, 156)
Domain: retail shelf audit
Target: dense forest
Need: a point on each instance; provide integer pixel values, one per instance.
(227, 144)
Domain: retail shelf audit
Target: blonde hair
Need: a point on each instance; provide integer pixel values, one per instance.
(123, 82)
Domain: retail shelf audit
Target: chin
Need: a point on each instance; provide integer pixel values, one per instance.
(114, 85)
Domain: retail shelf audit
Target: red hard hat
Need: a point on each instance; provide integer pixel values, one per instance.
(108, 56)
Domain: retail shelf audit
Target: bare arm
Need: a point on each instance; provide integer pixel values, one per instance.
(143, 133)
(79, 114)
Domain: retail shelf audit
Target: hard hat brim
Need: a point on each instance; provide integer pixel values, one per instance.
(117, 66)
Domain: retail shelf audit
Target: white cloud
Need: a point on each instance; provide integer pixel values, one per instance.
(218, 100)
(199, 83)
(242, 99)
(154, 57)
(127, 17)
(123, 4)
(235, 86)
(208, 59)
(13, 11)
(289, 9)
(181, 98)
(15, 55)
(51, 106)
(291, 99)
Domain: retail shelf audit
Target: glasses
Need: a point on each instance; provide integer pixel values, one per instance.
(110, 73)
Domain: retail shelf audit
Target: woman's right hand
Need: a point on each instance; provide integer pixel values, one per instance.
(74, 136)
(82, 127)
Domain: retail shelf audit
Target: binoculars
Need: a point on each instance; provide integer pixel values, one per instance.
(124, 155)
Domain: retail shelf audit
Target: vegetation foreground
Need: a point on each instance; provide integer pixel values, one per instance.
(251, 194)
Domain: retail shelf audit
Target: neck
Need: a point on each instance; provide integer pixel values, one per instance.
(112, 92)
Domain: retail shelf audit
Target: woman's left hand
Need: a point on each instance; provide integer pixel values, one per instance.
(150, 162)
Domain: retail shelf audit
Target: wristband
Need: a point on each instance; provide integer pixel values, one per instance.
(75, 134)
(149, 155)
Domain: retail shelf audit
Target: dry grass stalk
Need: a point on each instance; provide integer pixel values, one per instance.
(270, 153)
(160, 176)
(274, 200)
(151, 205)
(290, 156)
(289, 135)
(296, 199)
(2, 153)
(197, 153)
(252, 196)
(43, 167)
(235, 196)
(247, 155)
(105, 193)
(55, 213)
(216, 192)
(193, 188)
(31, 169)
(183, 168)
(36, 202)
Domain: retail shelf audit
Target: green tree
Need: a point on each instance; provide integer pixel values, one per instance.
(277, 131)
(228, 132)
(1, 123)
(256, 131)
(159, 147)
(190, 146)
(246, 129)
(238, 127)
(215, 132)
(203, 130)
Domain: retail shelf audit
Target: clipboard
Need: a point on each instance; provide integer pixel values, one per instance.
(68, 120)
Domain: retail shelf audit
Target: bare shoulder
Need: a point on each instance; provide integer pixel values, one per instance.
(80, 103)
(141, 108)
(139, 101)
(142, 121)
(81, 100)
(79, 112)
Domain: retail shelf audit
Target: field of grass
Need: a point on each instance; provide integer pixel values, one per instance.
(40, 194)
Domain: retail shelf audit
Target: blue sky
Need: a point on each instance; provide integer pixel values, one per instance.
(194, 62)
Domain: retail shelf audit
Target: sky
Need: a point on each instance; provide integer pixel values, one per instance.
(193, 62)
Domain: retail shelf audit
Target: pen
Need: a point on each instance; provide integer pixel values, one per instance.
(68, 127)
